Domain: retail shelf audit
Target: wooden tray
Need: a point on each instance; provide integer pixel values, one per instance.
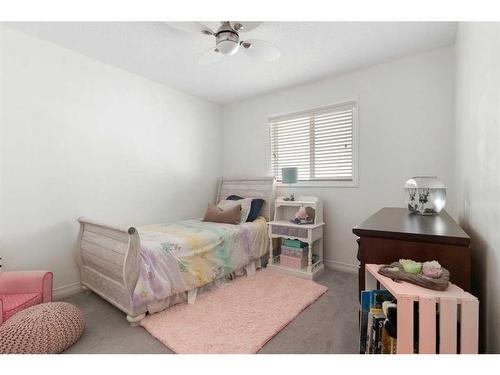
(418, 279)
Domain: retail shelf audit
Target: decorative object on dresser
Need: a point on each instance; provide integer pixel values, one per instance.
(428, 321)
(394, 233)
(425, 195)
(283, 232)
(290, 176)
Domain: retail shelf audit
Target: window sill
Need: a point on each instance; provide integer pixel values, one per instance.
(319, 184)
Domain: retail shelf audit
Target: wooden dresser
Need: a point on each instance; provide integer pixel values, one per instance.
(393, 233)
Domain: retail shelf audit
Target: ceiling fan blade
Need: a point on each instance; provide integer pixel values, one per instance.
(244, 26)
(209, 57)
(191, 27)
(260, 50)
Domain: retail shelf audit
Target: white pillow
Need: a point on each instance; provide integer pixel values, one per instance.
(246, 204)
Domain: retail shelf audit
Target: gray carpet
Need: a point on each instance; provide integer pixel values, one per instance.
(327, 326)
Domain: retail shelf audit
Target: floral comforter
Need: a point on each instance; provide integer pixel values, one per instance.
(184, 255)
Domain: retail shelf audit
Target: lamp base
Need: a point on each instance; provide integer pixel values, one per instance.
(291, 197)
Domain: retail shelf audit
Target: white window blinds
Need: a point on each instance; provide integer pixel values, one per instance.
(319, 142)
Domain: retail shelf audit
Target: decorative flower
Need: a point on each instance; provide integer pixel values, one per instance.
(411, 266)
(432, 269)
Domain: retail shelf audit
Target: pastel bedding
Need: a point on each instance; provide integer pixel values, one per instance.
(181, 256)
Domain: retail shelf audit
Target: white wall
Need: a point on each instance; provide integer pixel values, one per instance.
(405, 129)
(81, 138)
(478, 157)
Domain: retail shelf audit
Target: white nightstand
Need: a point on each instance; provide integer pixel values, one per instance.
(312, 234)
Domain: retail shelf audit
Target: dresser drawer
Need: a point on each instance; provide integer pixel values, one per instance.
(287, 231)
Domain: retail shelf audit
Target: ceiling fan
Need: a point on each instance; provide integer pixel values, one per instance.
(227, 41)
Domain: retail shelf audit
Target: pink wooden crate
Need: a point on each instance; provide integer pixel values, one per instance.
(454, 304)
(293, 262)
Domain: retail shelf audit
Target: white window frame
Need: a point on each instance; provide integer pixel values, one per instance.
(355, 146)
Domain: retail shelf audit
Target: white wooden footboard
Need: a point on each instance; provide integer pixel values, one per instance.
(109, 263)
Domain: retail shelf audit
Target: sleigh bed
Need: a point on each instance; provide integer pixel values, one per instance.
(149, 268)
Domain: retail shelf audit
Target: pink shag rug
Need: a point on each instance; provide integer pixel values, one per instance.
(238, 318)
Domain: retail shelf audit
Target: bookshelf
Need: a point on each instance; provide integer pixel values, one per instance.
(453, 305)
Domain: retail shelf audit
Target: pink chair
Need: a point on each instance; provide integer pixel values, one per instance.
(22, 289)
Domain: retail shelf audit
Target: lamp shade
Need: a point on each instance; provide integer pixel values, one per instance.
(290, 175)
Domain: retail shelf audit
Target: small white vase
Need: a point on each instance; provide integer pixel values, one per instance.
(425, 195)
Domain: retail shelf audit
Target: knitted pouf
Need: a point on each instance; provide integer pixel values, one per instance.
(47, 328)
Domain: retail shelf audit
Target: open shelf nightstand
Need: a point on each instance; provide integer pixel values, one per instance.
(312, 234)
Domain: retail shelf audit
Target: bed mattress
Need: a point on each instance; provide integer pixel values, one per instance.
(177, 257)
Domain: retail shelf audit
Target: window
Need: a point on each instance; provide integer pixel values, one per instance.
(320, 142)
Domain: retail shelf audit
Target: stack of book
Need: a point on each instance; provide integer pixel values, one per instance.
(374, 337)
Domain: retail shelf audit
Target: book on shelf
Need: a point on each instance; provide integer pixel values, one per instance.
(363, 320)
(369, 336)
(377, 328)
(371, 322)
(377, 299)
(386, 342)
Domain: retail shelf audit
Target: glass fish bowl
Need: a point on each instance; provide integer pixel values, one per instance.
(425, 195)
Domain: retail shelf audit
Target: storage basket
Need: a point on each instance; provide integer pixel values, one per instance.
(293, 262)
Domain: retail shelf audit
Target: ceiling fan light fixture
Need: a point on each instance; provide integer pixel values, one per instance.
(227, 42)
(227, 47)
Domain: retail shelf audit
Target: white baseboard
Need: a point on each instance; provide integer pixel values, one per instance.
(67, 290)
(340, 266)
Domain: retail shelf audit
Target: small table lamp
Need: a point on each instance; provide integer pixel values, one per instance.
(290, 176)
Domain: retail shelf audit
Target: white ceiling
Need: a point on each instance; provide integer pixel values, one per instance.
(310, 51)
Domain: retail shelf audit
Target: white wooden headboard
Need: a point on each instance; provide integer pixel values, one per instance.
(249, 187)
